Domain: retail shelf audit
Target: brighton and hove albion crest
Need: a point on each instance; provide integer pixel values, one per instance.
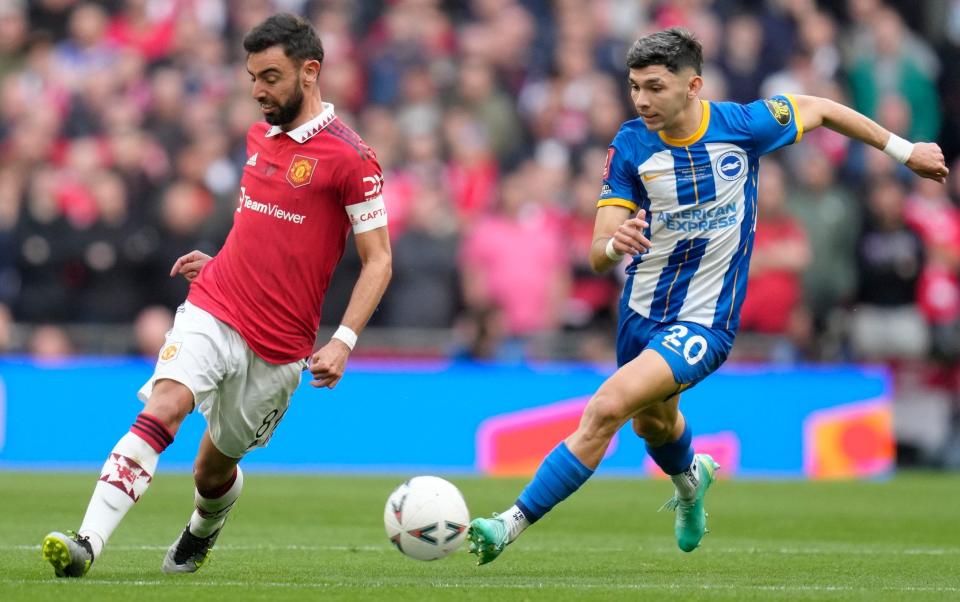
(301, 170)
(732, 165)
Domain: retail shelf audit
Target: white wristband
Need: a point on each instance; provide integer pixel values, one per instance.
(612, 253)
(347, 335)
(898, 148)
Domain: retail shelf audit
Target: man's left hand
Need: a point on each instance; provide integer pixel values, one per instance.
(328, 363)
(927, 161)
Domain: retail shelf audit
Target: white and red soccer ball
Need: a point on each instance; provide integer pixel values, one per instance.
(426, 518)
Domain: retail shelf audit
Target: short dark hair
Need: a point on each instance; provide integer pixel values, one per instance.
(674, 48)
(298, 38)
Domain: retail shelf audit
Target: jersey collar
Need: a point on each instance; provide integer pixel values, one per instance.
(704, 122)
(309, 129)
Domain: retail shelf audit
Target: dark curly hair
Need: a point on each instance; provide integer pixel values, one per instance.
(674, 48)
(295, 34)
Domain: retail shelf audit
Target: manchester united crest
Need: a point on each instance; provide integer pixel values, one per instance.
(169, 352)
(301, 170)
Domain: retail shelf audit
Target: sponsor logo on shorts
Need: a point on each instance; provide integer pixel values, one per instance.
(170, 351)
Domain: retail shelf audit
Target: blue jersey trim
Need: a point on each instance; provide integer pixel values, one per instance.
(733, 290)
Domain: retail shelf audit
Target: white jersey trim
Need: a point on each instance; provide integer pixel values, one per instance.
(309, 129)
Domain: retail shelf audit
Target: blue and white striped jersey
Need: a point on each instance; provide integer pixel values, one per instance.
(700, 197)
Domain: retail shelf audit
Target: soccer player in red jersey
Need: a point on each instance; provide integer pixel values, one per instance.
(238, 344)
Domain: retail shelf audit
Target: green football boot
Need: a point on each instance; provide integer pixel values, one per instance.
(488, 537)
(691, 519)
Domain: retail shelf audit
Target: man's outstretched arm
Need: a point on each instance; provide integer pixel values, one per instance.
(328, 363)
(923, 158)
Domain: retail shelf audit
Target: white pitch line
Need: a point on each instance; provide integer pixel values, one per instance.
(792, 551)
(93, 582)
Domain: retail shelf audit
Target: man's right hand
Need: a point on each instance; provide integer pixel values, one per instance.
(629, 238)
(189, 265)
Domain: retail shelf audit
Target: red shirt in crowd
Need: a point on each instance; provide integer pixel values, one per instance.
(772, 294)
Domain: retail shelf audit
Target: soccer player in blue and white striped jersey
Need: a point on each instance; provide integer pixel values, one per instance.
(679, 196)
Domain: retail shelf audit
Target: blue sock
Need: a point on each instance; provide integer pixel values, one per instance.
(675, 457)
(560, 474)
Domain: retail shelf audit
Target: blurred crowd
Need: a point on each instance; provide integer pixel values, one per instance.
(122, 128)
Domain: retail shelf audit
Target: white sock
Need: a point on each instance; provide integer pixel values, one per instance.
(210, 513)
(124, 477)
(687, 481)
(515, 520)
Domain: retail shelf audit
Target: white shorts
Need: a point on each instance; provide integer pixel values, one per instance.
(242, 396)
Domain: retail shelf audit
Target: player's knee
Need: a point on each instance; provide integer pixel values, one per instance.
(655, 430)
(603, 416)
(170, 402)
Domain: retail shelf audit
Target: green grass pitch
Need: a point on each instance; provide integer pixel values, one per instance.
(304, 537)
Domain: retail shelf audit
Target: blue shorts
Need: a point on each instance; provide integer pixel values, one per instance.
(693, 351)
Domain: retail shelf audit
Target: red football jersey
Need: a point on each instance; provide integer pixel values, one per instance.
(299, 194)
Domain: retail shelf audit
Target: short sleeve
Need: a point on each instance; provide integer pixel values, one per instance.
(774, 123)
(618, 184)
(362, 192)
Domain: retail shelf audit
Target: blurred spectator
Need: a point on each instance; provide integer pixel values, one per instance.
(11, 185)
(86, 53)
(479, 93)
(51, 15)
(49, 343)
(13, 36)
(831, 218)
(592, 299)
(870, 22)
(150, 330)
(888, 68)
(514, 261)
(6, 329)
(930, 212)
(471, 173)
(424, 291)
(112, 256)
(781, 252)
(183, 209)
(741, 61)
(168, 98)
(146, 29)
(887, 323)
(45, 255)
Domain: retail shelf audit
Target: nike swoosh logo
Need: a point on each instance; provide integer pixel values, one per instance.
(650, 177)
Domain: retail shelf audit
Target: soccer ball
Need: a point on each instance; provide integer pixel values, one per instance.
(426, 518)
